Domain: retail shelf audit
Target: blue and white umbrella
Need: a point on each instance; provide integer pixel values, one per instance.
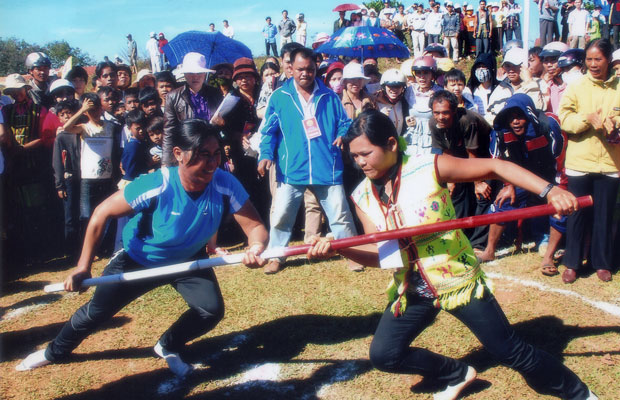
(216, 48)
(364, 42)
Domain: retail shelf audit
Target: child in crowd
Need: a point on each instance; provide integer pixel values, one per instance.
(132, 99)
(135, 159)
(99, 159)
(165, 84)
(155, 129)
(110, 98)
(66, 163)
(150, 102)
(455, 84)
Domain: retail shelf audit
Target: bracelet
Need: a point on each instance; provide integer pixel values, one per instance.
(546, 191)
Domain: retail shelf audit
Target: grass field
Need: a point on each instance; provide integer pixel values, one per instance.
(301, 334)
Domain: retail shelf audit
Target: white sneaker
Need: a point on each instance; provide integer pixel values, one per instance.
(591, 396)
(176, 365)
(34, 360)
(452, 391)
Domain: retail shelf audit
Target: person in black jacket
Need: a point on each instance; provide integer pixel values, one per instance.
(193, 100)
(66, 163)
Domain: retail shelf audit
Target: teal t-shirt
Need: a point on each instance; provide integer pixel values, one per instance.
(169, 226)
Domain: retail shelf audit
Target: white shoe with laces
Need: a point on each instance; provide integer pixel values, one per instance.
(452, 391)
(34, 360)
(176, 365)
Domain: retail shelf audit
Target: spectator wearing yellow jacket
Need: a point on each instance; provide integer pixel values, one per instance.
(590, 115)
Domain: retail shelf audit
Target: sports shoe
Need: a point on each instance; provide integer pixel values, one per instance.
(34, 360)
(452, 391)
(591, 396)
(176, 365)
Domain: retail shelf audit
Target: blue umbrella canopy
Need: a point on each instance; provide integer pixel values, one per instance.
(216, 48)
(364, 42)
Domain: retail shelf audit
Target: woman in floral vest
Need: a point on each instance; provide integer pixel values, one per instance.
(437, 271)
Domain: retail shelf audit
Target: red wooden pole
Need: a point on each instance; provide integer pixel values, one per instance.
(461, 223)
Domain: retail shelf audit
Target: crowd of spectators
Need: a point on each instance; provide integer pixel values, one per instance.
(69, 142)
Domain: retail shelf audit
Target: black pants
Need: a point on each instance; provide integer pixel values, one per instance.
(199, 289)
(271, 46)
(390, 351)
(71, 206)
(597, 219)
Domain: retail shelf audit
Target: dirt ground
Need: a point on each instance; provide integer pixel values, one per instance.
(301, 334)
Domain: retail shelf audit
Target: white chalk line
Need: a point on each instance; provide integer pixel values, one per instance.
(25, 309)
(609, 308)
(343, 373)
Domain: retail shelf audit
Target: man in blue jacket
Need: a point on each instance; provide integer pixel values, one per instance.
(303, 125)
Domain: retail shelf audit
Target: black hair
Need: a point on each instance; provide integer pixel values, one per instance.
(72, 105)
(455, 75)
(166, 76)
(155, 124)
(274, 59)
(103, 65)
(192, 134)
(304, 52)
(135, 117)
(269, 65)
(124, 67)
(289, 47)
(604, 46)
(77, 72)
(370, 69)
(225, 20)
(94, 97)
(443, 95)
(211, 24)
(103, 90)
(535, 51)
(267, 18)
(375, 125)
(147, 94)
(132, 91)
(285, 11)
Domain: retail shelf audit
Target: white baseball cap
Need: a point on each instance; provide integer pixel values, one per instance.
(195, 63)
(515, 56)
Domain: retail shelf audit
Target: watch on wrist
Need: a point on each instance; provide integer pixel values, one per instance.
(546, 191)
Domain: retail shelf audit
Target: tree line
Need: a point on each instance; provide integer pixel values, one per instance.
(13, 54)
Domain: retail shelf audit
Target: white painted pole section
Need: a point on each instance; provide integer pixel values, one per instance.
(167, 270)
(525, 28)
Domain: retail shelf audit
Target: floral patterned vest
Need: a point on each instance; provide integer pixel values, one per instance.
(445, 260)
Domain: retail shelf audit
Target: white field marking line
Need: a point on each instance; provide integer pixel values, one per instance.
(601, 305)
(264, 372)
(343, 373)
(264, 376)
(23, 310)
(169, 386)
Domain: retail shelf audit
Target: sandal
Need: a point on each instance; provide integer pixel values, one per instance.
(549, 270)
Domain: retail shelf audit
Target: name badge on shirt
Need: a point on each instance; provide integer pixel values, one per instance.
(311, 127)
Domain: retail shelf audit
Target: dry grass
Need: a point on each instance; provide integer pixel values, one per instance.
(313, 323)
